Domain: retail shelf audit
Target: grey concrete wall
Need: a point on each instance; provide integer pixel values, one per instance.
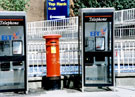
(122, 80)
(36, 11)
(125, 79)
(130, 82)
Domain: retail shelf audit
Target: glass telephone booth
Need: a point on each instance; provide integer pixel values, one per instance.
(13, 66)
(97, 46)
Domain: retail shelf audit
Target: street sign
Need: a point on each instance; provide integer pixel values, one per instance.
(57, 9)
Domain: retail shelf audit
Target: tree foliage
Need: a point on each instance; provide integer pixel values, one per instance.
(117, 4)
(14, 5)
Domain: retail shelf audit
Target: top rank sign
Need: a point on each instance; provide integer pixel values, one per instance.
(57, 9)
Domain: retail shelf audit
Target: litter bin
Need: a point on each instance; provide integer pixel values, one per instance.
(52, 79)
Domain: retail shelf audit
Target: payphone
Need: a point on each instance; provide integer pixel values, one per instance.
(13, 65)
(97, 46)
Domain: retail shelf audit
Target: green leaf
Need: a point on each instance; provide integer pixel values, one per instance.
(14, 5)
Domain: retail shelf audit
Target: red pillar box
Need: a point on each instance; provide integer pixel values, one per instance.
(52, 79)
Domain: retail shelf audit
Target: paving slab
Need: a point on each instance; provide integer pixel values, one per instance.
(119, 92)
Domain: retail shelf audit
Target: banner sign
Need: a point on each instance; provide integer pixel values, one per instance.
(57, 9)
(103, 17)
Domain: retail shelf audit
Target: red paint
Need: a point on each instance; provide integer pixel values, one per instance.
(52, 56)
(11, 19)
(100, 16)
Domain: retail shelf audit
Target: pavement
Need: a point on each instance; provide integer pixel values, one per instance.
(115, 92)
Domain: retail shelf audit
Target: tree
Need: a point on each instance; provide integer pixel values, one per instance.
(117, 4)
(14, 5)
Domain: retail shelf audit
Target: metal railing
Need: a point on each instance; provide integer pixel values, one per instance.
(124, 56)
(68, 29)
(68, 58)
(124, 41)
(122, 16)
(125, 31)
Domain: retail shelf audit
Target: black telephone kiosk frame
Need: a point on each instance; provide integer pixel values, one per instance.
(96, 46)
(13, 53)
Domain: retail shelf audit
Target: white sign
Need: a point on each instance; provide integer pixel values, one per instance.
(17, 47)
(57, 17)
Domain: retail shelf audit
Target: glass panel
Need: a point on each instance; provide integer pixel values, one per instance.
(98, 39)
(97, 73)
(89, 44)
(97, 50)
(9, 34)
(5, 48)
(93, 30)
(11, 75)
(89, 36)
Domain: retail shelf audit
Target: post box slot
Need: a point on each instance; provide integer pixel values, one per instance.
(53, 42)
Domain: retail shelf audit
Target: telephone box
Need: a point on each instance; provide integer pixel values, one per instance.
(13, 65)
(96, 44)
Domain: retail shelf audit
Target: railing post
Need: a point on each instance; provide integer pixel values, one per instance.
(120, 32)
(118, 58)
(122, 19)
